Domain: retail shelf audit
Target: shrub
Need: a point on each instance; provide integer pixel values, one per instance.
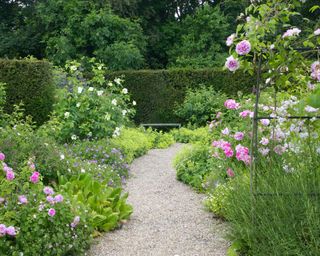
(32, 213)
(30, 82)
(198, 136)
(191, 165)
(84, 110)
(200, 106)
(158, 91)
(132, 143)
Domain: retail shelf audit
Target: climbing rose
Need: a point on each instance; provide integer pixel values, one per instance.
(230, 172)
(52, 212)
(2, 156)
(291, 32)
(34, 178)
(230, 39)
(317, 32)
(23, 199)
(48, 191)
(10, 175)
(2, 229)
(11, 231)
(264, 141)
(242, 154)
(58, 198)
(279, 149)
(315, 70)
(246, 113)
(265, 122)
(231, 104)
(232, 64)
(243, 48)
(239, 135)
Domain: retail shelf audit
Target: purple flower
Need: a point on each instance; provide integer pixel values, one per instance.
(231, 104)
(3, 229)
(75, 222)
(11, 231)
(34, 178)
(279, 149)
(50, 200)
(243, 48)
(230, 39)
(265, 122)
(52, 212)
(10, 175)
(232, 64)
(58, 198)
(2, 156)
(239, 135)
(264, 141)
(315, 70)
(23, 199)
(48, 191)
(225, 131)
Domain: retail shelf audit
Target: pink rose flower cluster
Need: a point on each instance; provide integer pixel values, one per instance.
(315, 70)
(9, 172)
(231, 104)
(246, 113)
(242, 154)
(225, 146)
(34, 178)
(10, 231)
(50, 198)
(291, 32)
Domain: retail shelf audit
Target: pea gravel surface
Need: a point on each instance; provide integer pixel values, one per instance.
(168, 217)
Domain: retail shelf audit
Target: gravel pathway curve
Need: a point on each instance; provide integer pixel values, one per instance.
(168, 218)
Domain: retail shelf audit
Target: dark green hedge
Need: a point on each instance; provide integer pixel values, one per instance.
(157, 91)
(29, 82)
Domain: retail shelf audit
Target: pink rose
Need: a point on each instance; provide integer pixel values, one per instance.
(232, 64)
(58, 198)
(3, 229)
(228, 152)
(10, 175)
(243, 48)
(230, 172)
(231, 104)
(52, 212)
(34, 178)
(2, 156)
(11, 231)
(48, 191)
(239, 135)
(23, 199)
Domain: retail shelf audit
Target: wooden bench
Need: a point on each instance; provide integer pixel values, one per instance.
(162, 125)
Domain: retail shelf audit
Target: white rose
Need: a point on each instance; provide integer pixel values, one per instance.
(66, 114)
(99, 93)
(124, 112)
(74, 137)
(124, 90)
(117, 81)
(90, 89)
(134, 103)
(80, 89)
(78, 104)
(114, 102)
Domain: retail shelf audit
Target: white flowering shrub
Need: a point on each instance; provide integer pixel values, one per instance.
(90, 108)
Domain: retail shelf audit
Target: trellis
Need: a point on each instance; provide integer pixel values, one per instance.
(254, 172)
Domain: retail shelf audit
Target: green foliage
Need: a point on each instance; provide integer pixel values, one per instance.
(202, 43)
(161, 139)
(53, 235)
(191, 165)
(80, 28)
(106, 205)
(200, 106)
(132, 143)
(29, 82)
(198, 136)
(157, 92)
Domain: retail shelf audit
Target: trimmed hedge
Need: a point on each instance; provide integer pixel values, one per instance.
(29, 82)
(158, 91)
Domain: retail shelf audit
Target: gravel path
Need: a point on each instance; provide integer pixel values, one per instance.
(168, 218)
